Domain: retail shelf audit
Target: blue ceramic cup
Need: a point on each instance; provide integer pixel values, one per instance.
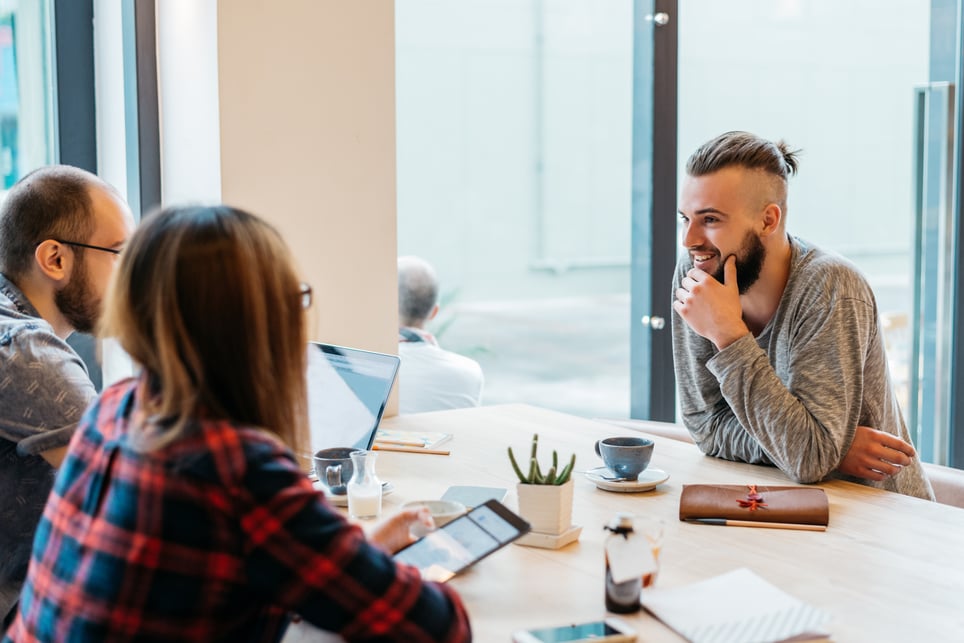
(334, 469)
(625, 457)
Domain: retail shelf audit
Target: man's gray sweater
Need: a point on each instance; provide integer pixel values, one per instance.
(793, 396)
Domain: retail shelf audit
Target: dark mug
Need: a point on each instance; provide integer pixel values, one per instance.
(334, 469)
(625, 457)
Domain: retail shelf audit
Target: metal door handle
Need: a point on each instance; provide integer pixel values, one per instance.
(655, 322)
(660, 19)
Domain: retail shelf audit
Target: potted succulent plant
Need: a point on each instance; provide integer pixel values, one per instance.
(545, 499)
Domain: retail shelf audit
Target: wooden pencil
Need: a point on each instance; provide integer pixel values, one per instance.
(401, 443)
(755, 523)
(404, 449)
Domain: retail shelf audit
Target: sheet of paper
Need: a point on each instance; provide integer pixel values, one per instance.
(736, 606)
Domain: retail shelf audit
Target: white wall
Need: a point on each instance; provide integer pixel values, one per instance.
(109, 94)
(187, 60)
(307, 127)
(288, 108)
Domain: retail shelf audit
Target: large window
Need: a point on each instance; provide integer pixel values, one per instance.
(27, 121)
(514, 179)
(36, 129)
(873, 125)
(847, 103)
(516, 171)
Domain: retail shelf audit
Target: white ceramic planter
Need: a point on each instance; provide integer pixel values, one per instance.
(548, 508)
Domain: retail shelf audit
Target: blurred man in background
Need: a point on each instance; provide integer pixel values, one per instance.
(430, 378)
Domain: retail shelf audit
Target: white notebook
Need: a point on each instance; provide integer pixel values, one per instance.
(735, 606)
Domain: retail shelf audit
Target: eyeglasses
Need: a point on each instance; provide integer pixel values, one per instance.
(305, 293)
(113, 251)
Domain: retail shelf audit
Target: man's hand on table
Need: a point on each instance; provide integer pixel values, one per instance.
(876, 455)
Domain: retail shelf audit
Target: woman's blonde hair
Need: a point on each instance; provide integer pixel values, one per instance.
(208, 302)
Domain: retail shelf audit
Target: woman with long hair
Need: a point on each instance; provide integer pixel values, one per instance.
(180, 513)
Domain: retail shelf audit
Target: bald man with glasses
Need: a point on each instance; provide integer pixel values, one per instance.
(61, 229)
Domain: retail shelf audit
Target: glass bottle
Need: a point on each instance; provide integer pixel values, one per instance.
(621, 598)
(364, 488)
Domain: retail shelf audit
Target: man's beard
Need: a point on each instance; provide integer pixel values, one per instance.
(76, 301)
(748, 266)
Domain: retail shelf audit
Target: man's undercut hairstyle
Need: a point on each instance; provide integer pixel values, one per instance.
(744, 150)
(417, 290)
(51, 202)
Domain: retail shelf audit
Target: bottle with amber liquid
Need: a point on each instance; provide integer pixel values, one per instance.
(622, 597)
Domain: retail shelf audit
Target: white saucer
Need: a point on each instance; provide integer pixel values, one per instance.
(647, 481)
(342, 500)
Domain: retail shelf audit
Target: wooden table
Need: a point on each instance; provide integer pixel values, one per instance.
(889, 567)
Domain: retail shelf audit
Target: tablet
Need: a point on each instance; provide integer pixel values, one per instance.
(463, 542)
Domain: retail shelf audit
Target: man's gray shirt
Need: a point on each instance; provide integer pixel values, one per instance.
(44, 390)
(794, 396)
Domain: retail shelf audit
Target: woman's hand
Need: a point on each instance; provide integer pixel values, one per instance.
(397, 531)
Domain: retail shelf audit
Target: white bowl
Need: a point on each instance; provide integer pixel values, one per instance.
(443, 511)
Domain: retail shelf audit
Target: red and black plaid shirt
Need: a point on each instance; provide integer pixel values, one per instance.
(216, 537)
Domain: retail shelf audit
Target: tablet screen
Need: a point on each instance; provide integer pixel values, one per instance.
(447, 551)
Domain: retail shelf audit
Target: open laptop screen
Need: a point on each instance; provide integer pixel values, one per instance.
(347, 392)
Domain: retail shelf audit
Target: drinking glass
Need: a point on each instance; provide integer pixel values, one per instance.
(651, 529)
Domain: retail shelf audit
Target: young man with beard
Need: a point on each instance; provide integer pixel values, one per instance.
(778, 350)
(61, 229)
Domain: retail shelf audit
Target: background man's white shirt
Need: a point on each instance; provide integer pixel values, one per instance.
(433, 379)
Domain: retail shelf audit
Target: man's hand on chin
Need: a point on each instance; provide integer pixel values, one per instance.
(712, 309)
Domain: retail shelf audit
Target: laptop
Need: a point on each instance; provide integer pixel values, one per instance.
(348, 389)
